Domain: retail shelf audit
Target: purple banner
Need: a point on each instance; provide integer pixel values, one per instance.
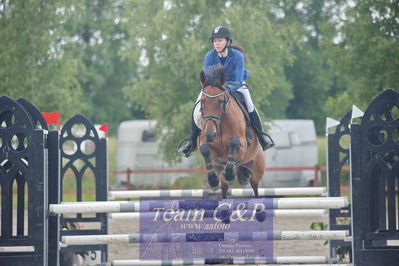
(216, 229)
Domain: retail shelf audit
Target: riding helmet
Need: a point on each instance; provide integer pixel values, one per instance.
(221, 32)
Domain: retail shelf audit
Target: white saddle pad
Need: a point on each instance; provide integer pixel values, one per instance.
(197, 115)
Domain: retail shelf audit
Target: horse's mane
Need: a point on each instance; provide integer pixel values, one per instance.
(215, 76)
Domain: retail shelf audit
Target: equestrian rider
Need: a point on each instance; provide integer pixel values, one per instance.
(232, 59)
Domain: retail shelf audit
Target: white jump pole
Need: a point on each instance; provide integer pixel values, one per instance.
(274, 213)
(201, 237)
(236, 260)
(312, 260)
(235, 192)
(143, 206)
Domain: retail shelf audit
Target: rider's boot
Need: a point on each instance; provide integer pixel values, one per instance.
(192, 141)
(266, 143)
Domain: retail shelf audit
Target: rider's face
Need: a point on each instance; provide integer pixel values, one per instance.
(219, 44)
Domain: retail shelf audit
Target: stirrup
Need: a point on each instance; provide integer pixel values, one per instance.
(269, 144)
(181, 143)
(179, 148)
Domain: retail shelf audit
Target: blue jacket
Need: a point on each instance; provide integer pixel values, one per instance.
(234, 69)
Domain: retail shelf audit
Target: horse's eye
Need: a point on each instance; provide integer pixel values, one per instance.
(220, 101)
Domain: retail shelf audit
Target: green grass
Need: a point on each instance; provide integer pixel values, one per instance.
(197, 180)
(188, 182)
(88, 180)
(193, 181)
(69, 183)
(321, 149)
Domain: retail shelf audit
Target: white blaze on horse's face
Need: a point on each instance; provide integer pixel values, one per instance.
(219, 44)
(213, 105)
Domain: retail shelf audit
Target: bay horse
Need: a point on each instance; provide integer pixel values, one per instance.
(223, 142)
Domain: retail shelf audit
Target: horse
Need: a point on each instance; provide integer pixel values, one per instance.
(223, 143)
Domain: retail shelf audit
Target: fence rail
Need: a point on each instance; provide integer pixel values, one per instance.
(129, 172)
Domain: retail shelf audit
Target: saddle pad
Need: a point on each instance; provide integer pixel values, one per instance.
(241, 102)
(197, 114)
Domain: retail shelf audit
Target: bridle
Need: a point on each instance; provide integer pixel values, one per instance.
(216, 119)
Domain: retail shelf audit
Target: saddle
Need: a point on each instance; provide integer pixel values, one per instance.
(239, 98)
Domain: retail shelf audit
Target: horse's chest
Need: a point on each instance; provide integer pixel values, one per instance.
(219, 149)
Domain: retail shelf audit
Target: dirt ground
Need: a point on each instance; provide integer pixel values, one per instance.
(280, 248)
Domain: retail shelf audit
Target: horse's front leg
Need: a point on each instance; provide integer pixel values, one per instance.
(225, 187)
(229, 174)
(213, 179)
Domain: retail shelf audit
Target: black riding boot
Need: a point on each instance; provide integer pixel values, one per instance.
(257, 125)
(192, 141)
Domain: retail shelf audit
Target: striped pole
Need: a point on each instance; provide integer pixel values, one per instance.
(269, 213)
(237, 260)
(200, 193)
(204, 237)
(153, 206)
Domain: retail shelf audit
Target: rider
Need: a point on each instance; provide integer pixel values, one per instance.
(232, 59)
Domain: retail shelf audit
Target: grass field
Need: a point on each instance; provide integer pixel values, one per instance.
(88, 184)
(189, 181)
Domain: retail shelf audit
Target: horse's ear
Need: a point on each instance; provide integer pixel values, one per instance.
(203, 78)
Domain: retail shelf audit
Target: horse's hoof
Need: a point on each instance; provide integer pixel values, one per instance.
(243, 181)
(229, 174)
(244, 175)
(213, 180)
(224, 215)
(260, 216)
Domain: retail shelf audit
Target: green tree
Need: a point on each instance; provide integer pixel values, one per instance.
(101, 38)
(364, 48)
(310, 75)
(33, 64)
(171, 38)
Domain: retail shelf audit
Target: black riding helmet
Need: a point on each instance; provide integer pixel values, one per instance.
(221, 32)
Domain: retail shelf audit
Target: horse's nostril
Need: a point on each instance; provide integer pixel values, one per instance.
(210, 136)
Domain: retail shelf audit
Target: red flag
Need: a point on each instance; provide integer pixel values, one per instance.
(104, 127)
(52, 118)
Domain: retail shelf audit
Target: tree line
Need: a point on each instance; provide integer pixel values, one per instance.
(133, 59)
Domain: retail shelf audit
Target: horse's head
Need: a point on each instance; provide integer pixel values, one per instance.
(214, 100)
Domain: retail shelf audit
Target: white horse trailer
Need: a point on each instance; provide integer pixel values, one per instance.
(295, 147)
(138, 150)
